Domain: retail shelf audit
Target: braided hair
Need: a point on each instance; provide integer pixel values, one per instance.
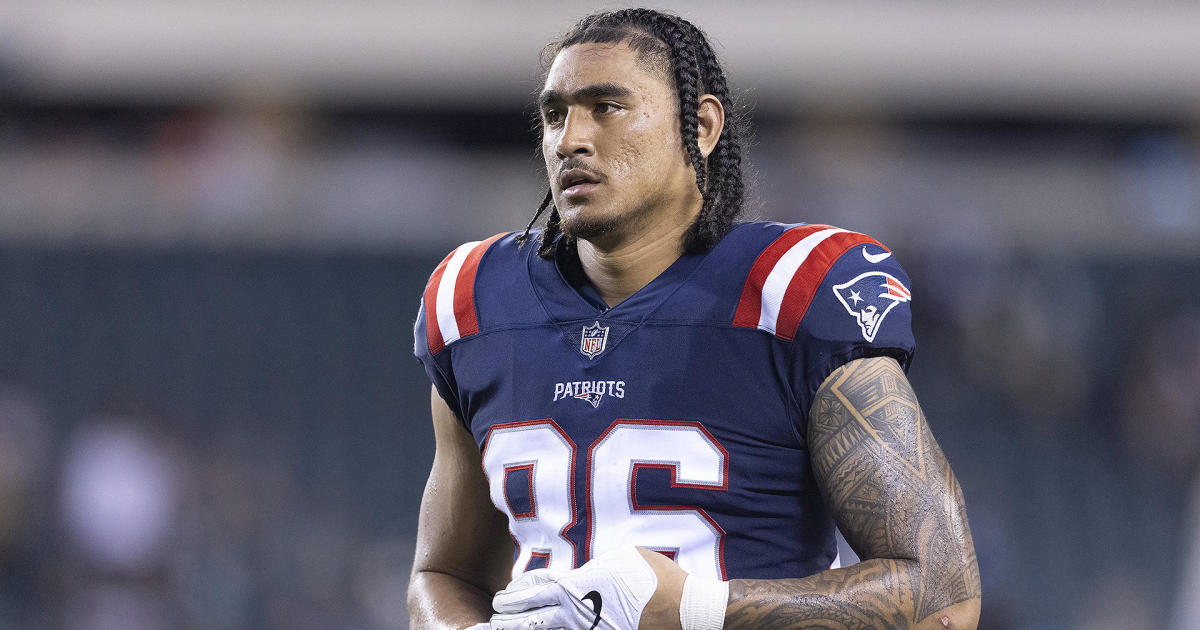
(681, 51)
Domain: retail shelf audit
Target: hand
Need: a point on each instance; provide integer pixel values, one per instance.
(608, 593)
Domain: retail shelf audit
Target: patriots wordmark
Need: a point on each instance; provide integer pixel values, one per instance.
(595, 337)
(870, 297)
(589, 391)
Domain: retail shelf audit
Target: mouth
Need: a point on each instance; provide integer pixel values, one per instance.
(577, 182)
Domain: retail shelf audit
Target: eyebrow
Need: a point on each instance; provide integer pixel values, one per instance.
(589, 93)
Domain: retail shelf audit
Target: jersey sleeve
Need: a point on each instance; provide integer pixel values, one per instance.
(834, 296)
(862, 308)
(438, 369)
(449, 314)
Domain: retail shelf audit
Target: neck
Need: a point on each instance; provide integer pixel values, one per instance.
(620, 266)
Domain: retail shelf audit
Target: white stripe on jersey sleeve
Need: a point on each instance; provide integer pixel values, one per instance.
(781, 275)
(447, 323)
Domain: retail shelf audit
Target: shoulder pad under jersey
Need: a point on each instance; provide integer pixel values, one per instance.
(787, 274)
(448, 310)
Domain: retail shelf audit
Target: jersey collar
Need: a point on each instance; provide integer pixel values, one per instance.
(566, 303)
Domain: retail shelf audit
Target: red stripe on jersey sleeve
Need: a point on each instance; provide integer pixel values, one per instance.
(810, 275)
(750, 305)
(464, 289)
(433, 334)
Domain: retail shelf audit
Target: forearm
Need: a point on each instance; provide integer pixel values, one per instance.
(879, 593)
(442, 601)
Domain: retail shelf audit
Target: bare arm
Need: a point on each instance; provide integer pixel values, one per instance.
(463, 551)
(899, 506)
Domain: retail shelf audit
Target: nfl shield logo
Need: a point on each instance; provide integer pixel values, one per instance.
(594, 339)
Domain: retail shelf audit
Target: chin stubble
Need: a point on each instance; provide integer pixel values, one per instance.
(587, 228)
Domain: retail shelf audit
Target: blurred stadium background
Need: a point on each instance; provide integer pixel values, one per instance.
(216, 219)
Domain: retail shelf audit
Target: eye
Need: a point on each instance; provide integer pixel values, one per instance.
(606, 108)
(552, 116)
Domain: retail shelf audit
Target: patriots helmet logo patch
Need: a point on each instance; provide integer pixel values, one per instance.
(870, 297)
(595, 337)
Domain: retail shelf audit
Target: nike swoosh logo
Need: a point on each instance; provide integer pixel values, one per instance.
(597, 604)
(874, 258)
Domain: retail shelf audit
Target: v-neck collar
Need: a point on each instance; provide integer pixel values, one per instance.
(565, 302)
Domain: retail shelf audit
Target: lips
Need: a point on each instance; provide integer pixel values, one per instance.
(577, 181)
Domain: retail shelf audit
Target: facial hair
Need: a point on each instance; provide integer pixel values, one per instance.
(579, 226)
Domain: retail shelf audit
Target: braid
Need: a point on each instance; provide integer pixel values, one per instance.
(550, 235)
(683, 51)
(542, 208)
(727, 191)
(687, 84)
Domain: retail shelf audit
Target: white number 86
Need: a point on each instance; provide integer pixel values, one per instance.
(539, 453)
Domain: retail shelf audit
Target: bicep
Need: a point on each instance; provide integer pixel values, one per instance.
(884, 477)
(460, 532)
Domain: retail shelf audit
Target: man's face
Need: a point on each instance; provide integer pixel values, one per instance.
(611, 141)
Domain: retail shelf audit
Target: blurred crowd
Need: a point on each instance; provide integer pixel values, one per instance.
(122, 525)
(264, 171)
(207, 440)
(209, 417)
(259, 173)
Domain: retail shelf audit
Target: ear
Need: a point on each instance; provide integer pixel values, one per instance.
(710, 120)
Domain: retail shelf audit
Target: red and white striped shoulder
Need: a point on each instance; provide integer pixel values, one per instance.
(449, 298)
(787, 274)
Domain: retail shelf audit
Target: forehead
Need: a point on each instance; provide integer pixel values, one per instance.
(581, 65)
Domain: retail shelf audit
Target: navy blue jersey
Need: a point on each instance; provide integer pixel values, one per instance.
(675, 420)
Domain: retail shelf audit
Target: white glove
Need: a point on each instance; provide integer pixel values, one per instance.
(607, 593)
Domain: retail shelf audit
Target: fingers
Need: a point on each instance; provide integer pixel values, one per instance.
(608, 592)
(532, 578)
(534, 589)
(629, 569)
(548, 618)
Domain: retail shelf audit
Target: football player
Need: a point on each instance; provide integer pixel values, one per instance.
(650, 415)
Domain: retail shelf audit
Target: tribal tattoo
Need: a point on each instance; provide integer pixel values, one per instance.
(897, 502)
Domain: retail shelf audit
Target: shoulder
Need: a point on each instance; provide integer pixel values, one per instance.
(801, 261)
(449, 304)
(832, 295)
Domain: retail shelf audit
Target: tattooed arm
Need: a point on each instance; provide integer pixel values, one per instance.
(899, 506)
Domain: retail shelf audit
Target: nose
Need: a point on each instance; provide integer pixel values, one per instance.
(575, 136)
